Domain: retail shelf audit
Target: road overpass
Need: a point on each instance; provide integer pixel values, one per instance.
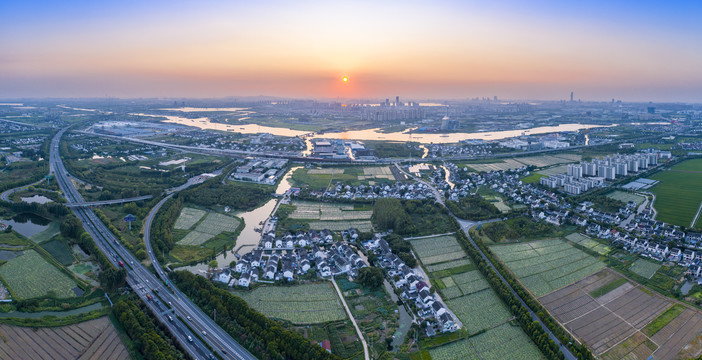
(108, 202)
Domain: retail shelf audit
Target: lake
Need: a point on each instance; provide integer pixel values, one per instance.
(40, 199)
(28, 224)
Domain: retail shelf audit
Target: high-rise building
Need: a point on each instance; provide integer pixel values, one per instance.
(575, 171)
(571, 96)
(397, 101)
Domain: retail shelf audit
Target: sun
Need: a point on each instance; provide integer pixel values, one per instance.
(345, 79)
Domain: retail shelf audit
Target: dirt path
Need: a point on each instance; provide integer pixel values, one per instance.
(366, 355)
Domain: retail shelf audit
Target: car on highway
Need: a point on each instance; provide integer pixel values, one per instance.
(204, 333)
(190, 338)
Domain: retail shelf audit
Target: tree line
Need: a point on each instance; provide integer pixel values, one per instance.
(412, 217)
(519, 227)
(237, 195)
(263, 337)
(532, 328)
(473, 207)
(151, 341)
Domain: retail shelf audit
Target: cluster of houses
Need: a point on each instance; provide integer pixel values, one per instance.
(414, 290)
(398, 190)
(290, 256)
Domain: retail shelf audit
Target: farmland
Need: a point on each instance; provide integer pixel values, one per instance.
(678, 195)
(334, 217)
(213, 225)
(624, 321)
(645, 268)
(589, 243)
(90, 340)
(29, 276)
(188, 217)
(377, 172)
(547, 265)
(536, 161)
(502, 342)
(437, 249)
(59, 250)
(301, 304)
(470, 298)
(319, 179)
(625, 197)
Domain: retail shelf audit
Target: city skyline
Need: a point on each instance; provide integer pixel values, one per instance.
(642, 51)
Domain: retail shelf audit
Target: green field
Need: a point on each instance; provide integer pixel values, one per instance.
(645, 268)
(532, 178)
(59, 250)
(301, 304)
(360, 225)
(29, 276)
(12, 238)
(321, 178)
(502, 342)
(589, 243)
(547, 265)
(626, 197)
(52, 230)
(213, 225)
(437, 249)
(188, 217)
(327, 211)
(663, 319)
(679, 194)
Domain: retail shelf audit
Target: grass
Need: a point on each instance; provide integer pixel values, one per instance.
(12, 238)
(189, 217)
(52, 230)
(29, 276)
(59, 250)
(532, 178)
(678, 195)
(213, 225)
(663, 319)
(626, 197)
(318, 180)
(608, 287)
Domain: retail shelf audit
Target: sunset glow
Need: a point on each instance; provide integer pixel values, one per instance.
(512, 49)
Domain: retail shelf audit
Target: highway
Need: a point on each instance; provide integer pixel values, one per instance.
(171, 307)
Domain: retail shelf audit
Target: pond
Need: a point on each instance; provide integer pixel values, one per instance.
(39, 199)
(28, 224)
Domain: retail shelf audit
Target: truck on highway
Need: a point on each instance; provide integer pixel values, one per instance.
(121, 263)
(148, 296)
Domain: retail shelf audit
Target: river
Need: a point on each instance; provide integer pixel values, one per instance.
(249, 237)
(369, 134)
(447, 176)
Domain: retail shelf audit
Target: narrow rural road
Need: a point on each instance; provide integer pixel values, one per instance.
(5, 196)
(366, 355)
(568, 355)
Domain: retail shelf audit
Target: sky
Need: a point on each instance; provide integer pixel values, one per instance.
(628, 50)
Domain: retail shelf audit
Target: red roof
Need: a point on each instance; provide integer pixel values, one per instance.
(326, 345)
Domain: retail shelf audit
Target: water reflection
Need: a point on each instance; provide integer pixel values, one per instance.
(28, 224)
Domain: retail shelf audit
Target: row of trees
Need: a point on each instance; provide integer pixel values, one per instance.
(162, 227)
(46, 210)
(473, 207)
(263, 337)
(532, 328)
(579, 350)
(151, 341)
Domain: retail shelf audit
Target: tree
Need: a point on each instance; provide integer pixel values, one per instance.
(213, 264)
(371, 277)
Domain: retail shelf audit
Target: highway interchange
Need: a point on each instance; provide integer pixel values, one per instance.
(197, 333)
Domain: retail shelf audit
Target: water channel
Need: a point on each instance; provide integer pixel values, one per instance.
(249, 237)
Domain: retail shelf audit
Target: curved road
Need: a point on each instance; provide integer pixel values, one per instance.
(170, 306)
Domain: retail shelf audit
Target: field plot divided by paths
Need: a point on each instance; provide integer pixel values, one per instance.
(29, 275)
(589, 243)
(189, 217)
(300, 304)
(645, 268)
(91, 340)
(376, 172)
(213, 225)
(437, 249)
(546, 265)
(502, 342)
(626, 197)
(678, 194)
(613, 323)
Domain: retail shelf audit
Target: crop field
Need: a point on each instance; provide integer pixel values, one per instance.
(549, 160)
(382, 172)
(52, 230)
(547, 265)
(325, 171)
(589, 243)
(645, 268)
(189, 217)
(506, 164)
(360, 225)
(556, 170)
(437, 249)
(625, 321)
(321, 178)
(301, 304)
(90, 340)
(480, 310)
(29, 276)
(463, 284)
(625, 197)
(678, 194)
(59, 250)
(328, 212)
(213, 225)
(502, 342)
(447, 265)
